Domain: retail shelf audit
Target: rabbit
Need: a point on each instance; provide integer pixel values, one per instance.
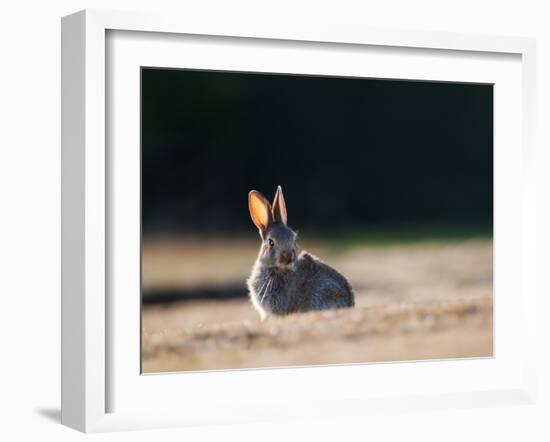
(282, 280)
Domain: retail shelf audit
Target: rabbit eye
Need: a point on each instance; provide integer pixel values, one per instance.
(270, 242)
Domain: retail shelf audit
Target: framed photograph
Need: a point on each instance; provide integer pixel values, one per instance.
(265, 222)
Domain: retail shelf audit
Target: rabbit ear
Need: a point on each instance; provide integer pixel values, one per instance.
(279, 206)
(260, 210)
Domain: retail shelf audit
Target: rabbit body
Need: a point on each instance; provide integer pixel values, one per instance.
(312, 285)
(282, 280)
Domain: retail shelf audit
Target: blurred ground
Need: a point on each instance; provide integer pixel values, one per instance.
(424, 300)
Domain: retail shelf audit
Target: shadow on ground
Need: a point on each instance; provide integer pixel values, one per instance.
(214, 293)
(51, 414)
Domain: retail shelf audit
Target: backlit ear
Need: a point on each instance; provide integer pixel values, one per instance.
(260, 210)
(279, 206)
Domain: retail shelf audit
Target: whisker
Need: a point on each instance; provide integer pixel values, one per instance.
(263, 295)
(267, 288)
(259, 292)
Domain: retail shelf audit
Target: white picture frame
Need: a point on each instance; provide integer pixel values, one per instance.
(88, 230)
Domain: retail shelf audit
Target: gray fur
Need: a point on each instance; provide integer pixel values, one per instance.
(284, 281)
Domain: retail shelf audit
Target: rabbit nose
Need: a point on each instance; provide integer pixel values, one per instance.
(287, 257)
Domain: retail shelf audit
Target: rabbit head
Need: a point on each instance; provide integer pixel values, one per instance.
(279, 249)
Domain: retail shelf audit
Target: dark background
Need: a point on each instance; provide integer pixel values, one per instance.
(350, 153)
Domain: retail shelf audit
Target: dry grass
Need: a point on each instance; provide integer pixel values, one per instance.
(419, 301)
